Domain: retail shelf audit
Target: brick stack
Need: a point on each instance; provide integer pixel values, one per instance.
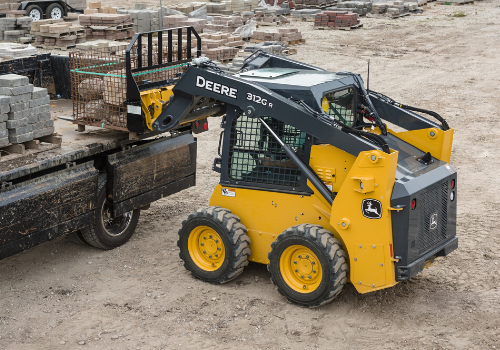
(291, 3)
(54, 33)
(181, 21)
(284, 35)
(226, 24)
(24, 110)
(15, 29)
(143, 19)
(336, 19)
(96, 7)
(305, 13)
(11, 8)
(107, 26)
(216, 40)
(299, 4)
(215, 8)
(359, 7)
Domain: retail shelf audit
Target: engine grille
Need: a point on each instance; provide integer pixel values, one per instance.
(433, 217)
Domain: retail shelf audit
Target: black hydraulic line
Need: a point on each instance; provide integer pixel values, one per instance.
(311, 176)
(389, 100)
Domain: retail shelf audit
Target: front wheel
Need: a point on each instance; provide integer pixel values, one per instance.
(35, 12)
(308, 265)
(107, 232)
(214, 245)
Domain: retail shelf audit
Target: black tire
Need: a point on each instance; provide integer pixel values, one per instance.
(77, 237)
(234, 238)
(326, 249)
(114, 232)
(35, 12)
(57, 14)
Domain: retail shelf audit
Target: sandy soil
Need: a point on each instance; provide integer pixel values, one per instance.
(139, 296)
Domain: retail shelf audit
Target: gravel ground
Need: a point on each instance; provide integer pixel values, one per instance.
(62, 295)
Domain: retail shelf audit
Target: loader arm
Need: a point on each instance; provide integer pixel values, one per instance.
(255, 101)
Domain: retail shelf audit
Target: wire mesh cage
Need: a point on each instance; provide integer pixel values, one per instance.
(256, 156)
(99, 76)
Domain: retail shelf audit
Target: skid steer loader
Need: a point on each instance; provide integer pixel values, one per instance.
(320, 179)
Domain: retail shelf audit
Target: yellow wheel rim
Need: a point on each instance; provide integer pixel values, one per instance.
(300, 269)
(206, 248)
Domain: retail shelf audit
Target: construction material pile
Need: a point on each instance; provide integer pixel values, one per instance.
(220, 46)
(336, 19)
(10, 8)
(9, 51)
(300, 4)
(304, 14)
(394, 8)
(15, 29)
(181, 21)
(281, 3)
(107, 26)
(359, 7)
(144, 19)
(284, 35)
(96, 7)
(226, 24)
(55, 33)
(24, 110)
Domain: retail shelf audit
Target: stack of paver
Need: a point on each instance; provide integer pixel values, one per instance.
(359, 7)
(290, 3)
(54, 33)
(96, 7)
(336, 19)
(24, 110)
(227, 24)
(107, 26)
(216, 8)
(304, 14)
(300, 4)
(181, 21)
(144, 19)
(188, 8)
(284, 35)
(15, 29)
(394, 8)
(10, 8)
(220, 46)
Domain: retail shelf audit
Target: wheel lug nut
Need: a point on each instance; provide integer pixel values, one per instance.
(210, 256)
(307, 256)
(296, 270)
(312, 263)
(218, 248)
(210, 236)
(302, 276)
(216, 241)
(294, 262)
(204, 252)
(204, 237)
(310, 277)
(202, 244)
(216, 255)
(314, 271)
(300, 256)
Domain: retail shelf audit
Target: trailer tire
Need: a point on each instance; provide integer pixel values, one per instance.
(308, 265)
(35, 12)
(106, 232)
(214, 245)
(54, 11)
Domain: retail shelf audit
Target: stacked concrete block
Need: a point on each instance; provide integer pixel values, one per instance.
(27, 109)
(143, 20)
(284, 35)
(281, 3)
(336, 19)
(215, 8)
(107, 26)
(220, 46)
(359, 7)
(15, 29)
(77, 4)
(226, 24)
(306, 13)
(57, 34)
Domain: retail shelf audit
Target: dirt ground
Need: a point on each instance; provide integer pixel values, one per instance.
(63, 295)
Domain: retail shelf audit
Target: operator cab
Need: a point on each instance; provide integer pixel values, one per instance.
(333, 93)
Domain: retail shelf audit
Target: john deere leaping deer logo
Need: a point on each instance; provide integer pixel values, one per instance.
(371, 208)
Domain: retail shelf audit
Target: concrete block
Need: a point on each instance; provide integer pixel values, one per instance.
(49, 123)
(38, 126)
(38, 92)
(4, 100)
(3, 125)
(41, 109)
(43, 132)
(20, 131)
(4, 133)
(16, 90)
(140, 6)
(4, 109)
(4, 141)
(4, 117)
(21, 98)
(39, 101)
(94, 5)
(43, 116)
(32, 118)
(18, 115)
(17, 123)
(21, 138)
(13, 80)
(16, 107)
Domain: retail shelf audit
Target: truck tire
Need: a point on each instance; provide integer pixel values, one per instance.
(308, 265)
(214, 245)
(106, 232)
(54, 11)
(77, 237)
(35, 12)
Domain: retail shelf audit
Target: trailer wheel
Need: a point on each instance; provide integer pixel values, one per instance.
(214, 245)
(35, 12)
(308, 265)
(107, 232)
(54, 11)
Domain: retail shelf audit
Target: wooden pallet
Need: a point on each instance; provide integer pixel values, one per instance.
(340, 28)
(455, 2)
(50, 47)
(58, 35)
(16, 150)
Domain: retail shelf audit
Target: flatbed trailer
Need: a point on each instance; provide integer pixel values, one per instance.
(96, 181)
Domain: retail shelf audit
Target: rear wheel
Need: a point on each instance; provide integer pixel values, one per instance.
(308, 265)
(54, 11)
(108, 232)
(35, 12)
(214, 245)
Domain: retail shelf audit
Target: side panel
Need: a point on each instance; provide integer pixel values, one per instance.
(149, 168)
(38, 210)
